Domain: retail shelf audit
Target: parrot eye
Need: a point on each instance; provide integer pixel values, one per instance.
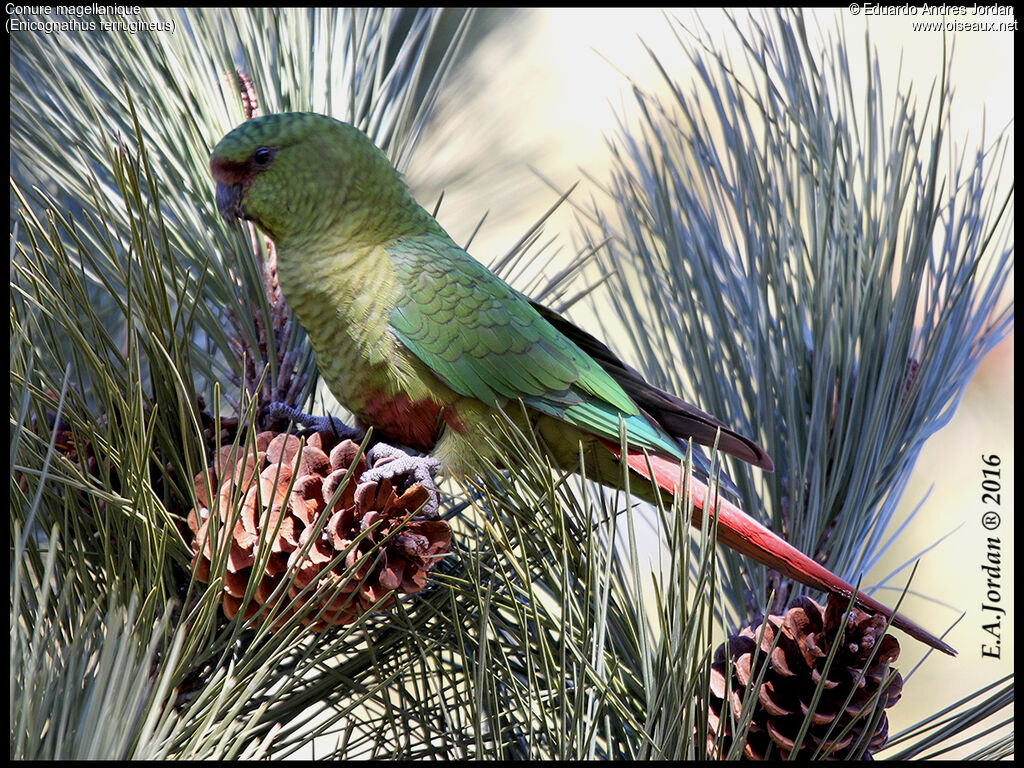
(261, 157)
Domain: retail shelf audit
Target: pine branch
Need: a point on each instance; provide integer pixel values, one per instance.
(815, 268)
(803, 255)
(132, 304)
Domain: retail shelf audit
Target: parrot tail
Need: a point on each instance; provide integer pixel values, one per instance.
(739, 531)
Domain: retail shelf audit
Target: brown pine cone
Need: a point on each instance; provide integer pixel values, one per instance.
(374, 543)
(795, 667)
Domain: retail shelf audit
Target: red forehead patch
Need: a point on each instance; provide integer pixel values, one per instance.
(229, 172)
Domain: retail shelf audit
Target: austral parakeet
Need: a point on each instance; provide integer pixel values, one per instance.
(425, 344)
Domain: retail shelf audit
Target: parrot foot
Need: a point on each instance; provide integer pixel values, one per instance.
(277, 411)
(387, 463)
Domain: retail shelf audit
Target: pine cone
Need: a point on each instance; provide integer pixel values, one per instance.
(375, 542)
(794, 671)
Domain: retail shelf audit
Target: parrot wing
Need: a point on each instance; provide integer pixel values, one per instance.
(485, 340)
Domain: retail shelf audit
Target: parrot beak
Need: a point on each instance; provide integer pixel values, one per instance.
(229, 202)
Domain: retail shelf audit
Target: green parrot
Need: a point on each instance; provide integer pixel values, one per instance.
(425, 344)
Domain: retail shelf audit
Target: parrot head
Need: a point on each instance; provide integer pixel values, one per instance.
(296, 173)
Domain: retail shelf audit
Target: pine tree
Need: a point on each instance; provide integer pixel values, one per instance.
(147, 336)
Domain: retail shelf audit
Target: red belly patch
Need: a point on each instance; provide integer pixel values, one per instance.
(416, 424)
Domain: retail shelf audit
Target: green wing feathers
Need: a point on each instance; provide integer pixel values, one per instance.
(485, 340)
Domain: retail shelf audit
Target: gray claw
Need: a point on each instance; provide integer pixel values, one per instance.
(282, 412)
(389, 463)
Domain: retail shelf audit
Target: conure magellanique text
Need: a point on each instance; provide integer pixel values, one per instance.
(425, 344)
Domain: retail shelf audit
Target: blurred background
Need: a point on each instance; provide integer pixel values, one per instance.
(528, 111)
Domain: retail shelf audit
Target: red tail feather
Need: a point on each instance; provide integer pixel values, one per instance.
(739, 531)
